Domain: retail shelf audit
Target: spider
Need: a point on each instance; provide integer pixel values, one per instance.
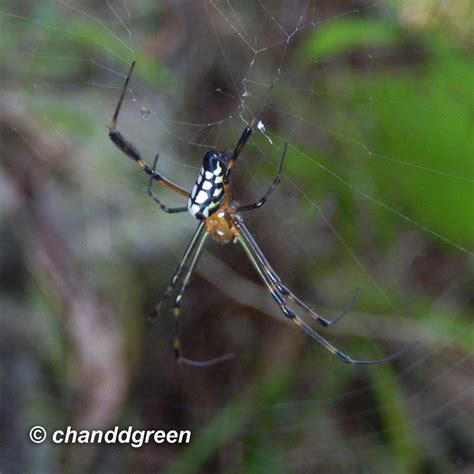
(212, 204)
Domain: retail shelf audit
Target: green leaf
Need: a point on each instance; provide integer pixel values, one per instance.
(335, 38)
(395, 416)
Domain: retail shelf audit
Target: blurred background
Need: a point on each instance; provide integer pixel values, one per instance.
(376, 101)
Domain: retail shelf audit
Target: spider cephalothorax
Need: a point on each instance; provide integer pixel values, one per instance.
(211, 202)
(222, 225)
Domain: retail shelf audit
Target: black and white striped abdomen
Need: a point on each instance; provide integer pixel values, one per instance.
(208, 192)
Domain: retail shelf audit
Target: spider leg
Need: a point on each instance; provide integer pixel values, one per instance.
(183, 264)
(244, 137)
(180, 281)
(275, 183)
(177, 313)
(323, 321)
(245, 234)
(280, 300)
(131, 150)
(169, 210)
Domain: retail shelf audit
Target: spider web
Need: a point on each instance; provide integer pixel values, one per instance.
(357, 206)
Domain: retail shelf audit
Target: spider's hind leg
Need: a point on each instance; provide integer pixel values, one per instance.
(129, 149)
(117, 138)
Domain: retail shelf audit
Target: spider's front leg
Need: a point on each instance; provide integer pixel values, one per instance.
(273, 284)
(184, 263)
(178, 284)
(248, 241)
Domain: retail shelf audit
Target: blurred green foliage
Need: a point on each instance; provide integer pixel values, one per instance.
(350, 34)
(378, 191)
(420, 162)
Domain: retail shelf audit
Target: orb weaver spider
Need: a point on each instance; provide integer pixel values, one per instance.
(211, 203)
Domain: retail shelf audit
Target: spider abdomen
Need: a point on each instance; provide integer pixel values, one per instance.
(208, 191)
